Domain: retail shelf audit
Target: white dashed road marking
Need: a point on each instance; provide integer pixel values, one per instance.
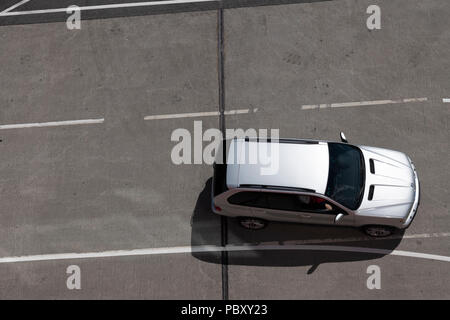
(181, 115)
(198, 114)
(51, 124)
(361, 103)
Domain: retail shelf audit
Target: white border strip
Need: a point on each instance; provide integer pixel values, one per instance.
(197, 114)
(51, 124)
(229, 248)
(105, 6)
(360, 103)
(14, 6)
(367, 238)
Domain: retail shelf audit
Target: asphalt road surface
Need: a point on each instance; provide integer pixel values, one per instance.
(86, 118)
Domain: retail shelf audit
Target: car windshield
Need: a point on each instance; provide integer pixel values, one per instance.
(346, 175)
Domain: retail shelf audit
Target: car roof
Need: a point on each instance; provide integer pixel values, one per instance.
(300, 164)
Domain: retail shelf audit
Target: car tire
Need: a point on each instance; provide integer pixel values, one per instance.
(252, 223)
(378, 231)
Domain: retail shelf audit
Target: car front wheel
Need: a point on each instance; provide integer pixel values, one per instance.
(378, 231)
(252, 223)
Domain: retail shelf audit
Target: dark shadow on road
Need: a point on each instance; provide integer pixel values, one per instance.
(124, 11)
(206, 231)
(206, 226)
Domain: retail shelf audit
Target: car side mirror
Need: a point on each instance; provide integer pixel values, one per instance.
(343, 138)
(338, 217)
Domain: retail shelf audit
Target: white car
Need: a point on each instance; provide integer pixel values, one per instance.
(319, 182)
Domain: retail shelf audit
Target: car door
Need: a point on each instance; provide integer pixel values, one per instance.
(318, 210)
(248, 203)
(255, 204)
(301, 208)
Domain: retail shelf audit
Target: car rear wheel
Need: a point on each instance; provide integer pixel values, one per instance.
(378, 231)
(252, 223)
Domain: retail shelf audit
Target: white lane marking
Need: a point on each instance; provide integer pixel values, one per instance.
(197, 114)
(361, 103)
(229, 248)
(105, 6)
(182, 115)
(446, 100)
(240, 111)
(51, 124)
(14, 6)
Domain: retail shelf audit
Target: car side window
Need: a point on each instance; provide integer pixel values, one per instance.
(320, 205)
(249, 199)
(301, 203)
(283, 201)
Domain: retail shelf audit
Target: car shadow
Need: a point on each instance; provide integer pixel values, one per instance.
(334, 244)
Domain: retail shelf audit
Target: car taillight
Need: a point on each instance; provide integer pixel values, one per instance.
(217, 208)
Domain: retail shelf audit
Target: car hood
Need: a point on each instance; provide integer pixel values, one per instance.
(392, 178)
